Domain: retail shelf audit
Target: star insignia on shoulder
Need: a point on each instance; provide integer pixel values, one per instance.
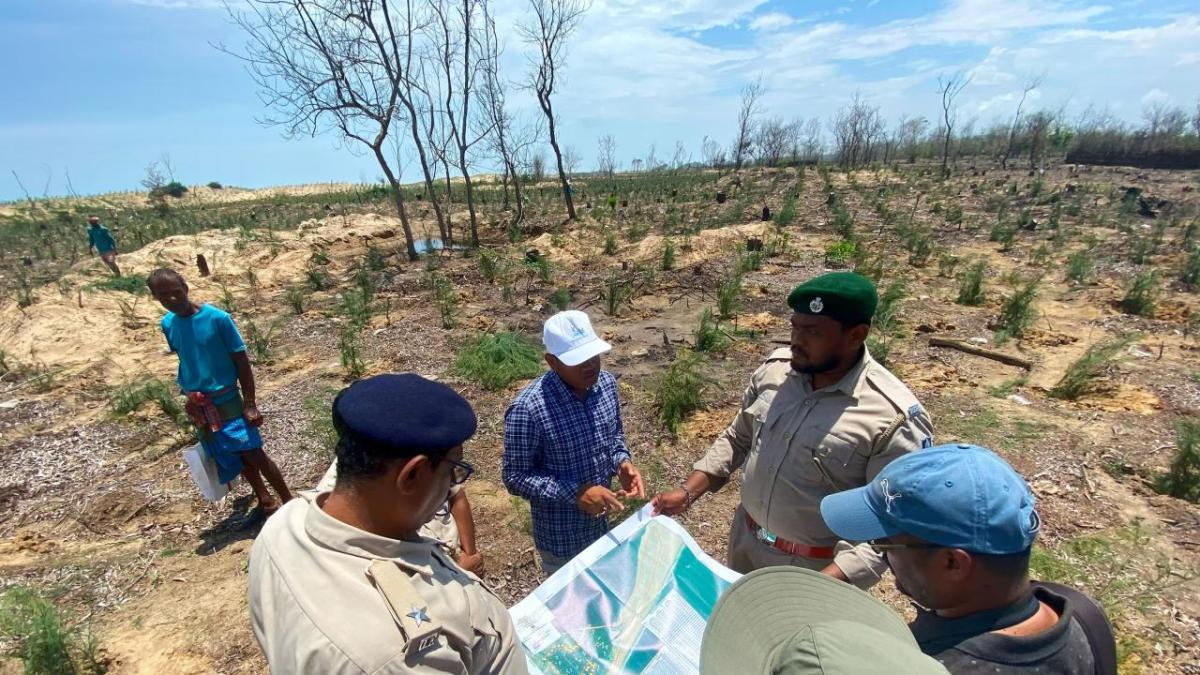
(418, 615)
(816, 306)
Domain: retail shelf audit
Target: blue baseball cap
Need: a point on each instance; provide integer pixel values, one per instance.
(958, 496)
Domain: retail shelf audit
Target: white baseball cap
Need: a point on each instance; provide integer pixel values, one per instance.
(569, 336)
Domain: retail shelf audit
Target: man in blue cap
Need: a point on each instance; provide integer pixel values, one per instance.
(956, 525)
(341, 582)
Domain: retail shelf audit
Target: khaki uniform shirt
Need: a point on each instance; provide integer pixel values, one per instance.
(440, 527)
(798, 445)
(317, 603)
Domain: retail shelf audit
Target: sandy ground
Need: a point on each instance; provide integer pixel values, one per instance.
(102, 511)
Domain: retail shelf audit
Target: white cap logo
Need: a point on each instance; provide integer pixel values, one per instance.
(888, 497)
(569, 336)
(816, 306)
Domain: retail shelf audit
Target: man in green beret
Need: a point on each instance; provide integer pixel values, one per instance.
(818, 417)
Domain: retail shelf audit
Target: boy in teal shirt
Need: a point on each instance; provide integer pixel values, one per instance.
(101, 239)
(212, 363)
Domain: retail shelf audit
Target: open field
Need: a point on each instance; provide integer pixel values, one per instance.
(98, 514)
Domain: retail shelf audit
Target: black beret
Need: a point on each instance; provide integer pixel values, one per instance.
(403, 414)
(848, 297)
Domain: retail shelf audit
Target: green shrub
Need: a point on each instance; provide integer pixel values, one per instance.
(786, 214)
(970, 289)
(41, 640)
(320, 425)
(228, 302)
(356, 307)
(616, 291)
(560, 299)
(880, 348)
(375, 260)
(749, 261)
(258, 341)
(708, 336)
(315, 278)
(839, 253)
(681, 389)
(540, 268)
(1017, 313)
(610, 244)
(920, 248)
(489, 265)
(1004, 233)
(668, 256)
(172, 189)
(131, 395)
(729, 294)
(888, 307)
(1142, 296)
(947, 264)
(295, 296)
(1078, 378)
(215, 185)
(130, 283)
(1182, 479)
(1080, 265)
(496, 360)
(1190, 274)
(446, 297)
(364, 281)
(350, 347)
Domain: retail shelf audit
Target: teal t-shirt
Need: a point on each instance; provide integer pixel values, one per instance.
(101, 238)
(204, 342)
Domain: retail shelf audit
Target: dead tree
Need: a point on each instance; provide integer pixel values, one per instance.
(504, 140)
(949, 87)
(410, 86)
(552, 23)
(331, 64)
(748, 114)
(457, 37)
(606, 157)
(1030, 85)
(857, 131)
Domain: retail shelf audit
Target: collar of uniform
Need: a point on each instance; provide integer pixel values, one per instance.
(851, 383)
(333, 533)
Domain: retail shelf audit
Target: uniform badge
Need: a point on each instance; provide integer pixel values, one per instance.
(927, 442)
(914, 411)
(816, 306)
(428, 643)
(418, 615)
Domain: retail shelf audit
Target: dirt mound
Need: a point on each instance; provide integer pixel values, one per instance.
(72, 326)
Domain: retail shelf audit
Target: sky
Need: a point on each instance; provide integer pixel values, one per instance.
(97, 89)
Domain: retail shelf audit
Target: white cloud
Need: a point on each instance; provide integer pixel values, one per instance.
(771, 21)
(1188, 59)
(1155, 95)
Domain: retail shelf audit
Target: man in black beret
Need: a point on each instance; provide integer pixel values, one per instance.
(341, 582)
(819, 417)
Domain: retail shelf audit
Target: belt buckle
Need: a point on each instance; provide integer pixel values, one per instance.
(765, 536)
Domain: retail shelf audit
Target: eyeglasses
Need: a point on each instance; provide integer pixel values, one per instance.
(460, 471)
(882, 549)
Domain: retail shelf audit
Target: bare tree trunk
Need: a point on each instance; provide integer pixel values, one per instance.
(562, 173)
(398, 199)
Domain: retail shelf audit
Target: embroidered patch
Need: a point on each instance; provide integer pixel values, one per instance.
(428, 643)
(816, 306)
(887, 496)
(927, 442)
(914, 411)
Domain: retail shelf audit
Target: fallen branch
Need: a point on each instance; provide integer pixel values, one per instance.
(976, 350)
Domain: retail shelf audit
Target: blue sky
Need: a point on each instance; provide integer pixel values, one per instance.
(100, 88)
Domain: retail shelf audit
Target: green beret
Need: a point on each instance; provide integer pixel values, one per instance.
(848, 297)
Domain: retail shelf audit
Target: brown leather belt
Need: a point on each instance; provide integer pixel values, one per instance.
(789, 547)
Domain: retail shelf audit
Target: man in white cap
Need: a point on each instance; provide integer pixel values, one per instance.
(564, 443)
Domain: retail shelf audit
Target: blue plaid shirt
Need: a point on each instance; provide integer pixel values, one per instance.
(556, 443)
